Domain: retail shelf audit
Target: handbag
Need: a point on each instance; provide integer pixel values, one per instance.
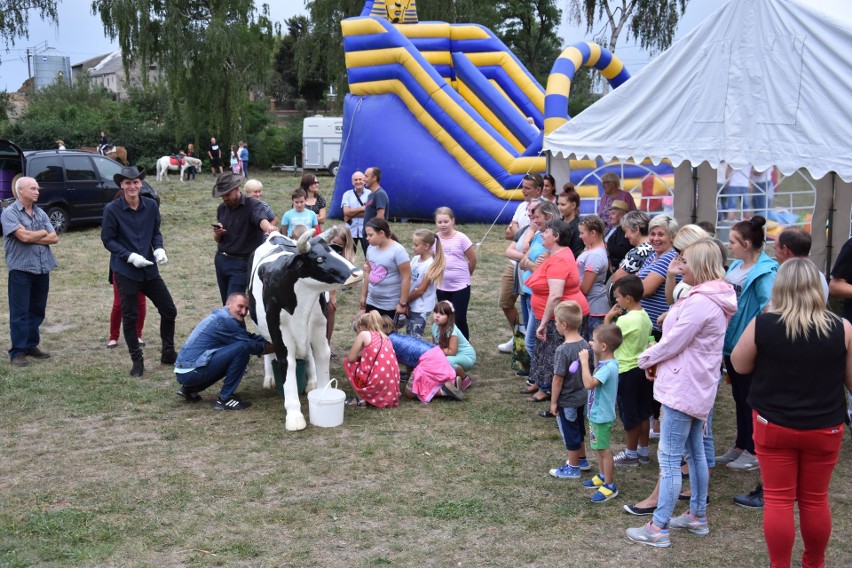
(520, 356)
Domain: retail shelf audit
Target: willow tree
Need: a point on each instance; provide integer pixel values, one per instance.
(211, 53)
(15, 17)
(651, 22)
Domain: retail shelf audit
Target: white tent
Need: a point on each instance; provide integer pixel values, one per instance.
(760, 82)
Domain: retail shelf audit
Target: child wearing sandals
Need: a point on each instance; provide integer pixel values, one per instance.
(568, 397)
(602, 387)
(371, 365)
(427, 271)
(452, 342)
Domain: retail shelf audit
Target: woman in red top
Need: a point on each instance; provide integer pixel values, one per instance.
(555, 280)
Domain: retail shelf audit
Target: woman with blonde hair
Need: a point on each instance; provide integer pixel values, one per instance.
(687, 235)
(684, 367)
(798, 424)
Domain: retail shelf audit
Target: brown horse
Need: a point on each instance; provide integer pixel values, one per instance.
(115, 152)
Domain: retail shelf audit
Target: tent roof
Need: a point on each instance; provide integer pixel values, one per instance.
(761, 82)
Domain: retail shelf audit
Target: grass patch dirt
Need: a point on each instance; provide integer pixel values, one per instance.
(99, 469)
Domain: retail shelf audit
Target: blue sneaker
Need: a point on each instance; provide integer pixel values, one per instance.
(584, 464)
(567, 471)
(605, 493)
(594, 482)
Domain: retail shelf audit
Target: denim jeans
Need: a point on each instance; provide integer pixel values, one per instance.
(530, 322)
(229, 362)
(678, 432)
(231, 275)
(27, 304)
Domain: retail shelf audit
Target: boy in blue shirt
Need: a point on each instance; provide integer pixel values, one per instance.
(299, 214)
(603, 388)
(568, 397)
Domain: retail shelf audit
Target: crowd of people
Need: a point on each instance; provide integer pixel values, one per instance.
(624, 317)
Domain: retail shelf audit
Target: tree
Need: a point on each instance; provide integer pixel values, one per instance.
(652, 22)
(15, 17)
(528, 28)
(301, 71)
(211, 53)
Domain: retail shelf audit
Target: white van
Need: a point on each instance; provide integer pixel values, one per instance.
(321, 138)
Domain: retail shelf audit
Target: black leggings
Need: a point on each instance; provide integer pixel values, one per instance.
(460, 300)
(740, 386)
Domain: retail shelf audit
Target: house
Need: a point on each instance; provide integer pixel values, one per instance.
(107, 70)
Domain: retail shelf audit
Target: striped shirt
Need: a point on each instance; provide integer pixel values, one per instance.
(26, 257)
(656, 303)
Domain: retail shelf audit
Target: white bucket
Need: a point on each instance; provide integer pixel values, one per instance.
(325, 406)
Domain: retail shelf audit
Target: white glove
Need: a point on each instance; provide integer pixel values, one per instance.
(160, 256)
(138, 260)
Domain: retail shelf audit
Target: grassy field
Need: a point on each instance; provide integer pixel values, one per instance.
(99, 469)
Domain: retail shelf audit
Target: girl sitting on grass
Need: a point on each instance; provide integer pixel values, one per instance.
(371, 365)
(427, 271)
(452, 342)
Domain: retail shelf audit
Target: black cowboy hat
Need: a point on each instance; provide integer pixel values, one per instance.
(128, 172)
(226, 183)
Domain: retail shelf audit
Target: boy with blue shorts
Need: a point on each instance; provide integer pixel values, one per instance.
(603, 389)
(567, 395)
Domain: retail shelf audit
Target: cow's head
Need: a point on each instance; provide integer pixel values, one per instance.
(318, 261)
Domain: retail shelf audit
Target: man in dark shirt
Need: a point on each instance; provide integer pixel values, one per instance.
(131, 232)
(219, 348)
(377, 202)
(242, 225)
(215, 155)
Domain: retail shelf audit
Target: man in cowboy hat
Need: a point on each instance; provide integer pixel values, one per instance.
(241, 226)
(131, 232)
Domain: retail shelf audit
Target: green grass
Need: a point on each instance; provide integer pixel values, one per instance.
(99, 469)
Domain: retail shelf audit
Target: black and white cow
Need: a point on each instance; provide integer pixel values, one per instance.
(284, 290)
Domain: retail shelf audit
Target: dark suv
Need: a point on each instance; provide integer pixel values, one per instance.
(75, 185)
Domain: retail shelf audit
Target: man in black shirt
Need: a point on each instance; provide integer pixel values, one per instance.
(215, 154)
(242, 225)
(131, 232)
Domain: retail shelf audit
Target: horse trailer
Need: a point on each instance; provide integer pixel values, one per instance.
(321, 138)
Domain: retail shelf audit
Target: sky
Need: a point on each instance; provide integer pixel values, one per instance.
(80, 36)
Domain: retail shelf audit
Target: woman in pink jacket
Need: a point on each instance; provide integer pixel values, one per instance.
(684, 366)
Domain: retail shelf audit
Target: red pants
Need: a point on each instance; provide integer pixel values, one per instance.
(115, 314)
(796, 465)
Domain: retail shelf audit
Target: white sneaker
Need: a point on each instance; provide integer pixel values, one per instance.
(653, 434)
(507, 347)
(745, 462)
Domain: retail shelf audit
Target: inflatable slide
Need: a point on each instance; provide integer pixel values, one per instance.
(452, 117)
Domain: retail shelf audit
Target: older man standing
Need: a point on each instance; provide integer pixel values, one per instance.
(377, 202)
(354, 202)
(131, 232)
(612, 191)
(27, 235)
(241, 227)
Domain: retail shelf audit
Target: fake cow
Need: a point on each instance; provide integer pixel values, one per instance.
(284, 291)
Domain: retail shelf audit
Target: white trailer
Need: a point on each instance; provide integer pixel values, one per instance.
(321, 138)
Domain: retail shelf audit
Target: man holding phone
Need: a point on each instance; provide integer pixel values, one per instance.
(242, 225)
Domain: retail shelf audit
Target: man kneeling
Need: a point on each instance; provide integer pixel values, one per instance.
(219, 347)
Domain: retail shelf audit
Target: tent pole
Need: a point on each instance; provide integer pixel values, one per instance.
(694, 194)
(831, 210)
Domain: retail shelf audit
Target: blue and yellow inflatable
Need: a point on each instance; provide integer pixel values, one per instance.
(442, 109)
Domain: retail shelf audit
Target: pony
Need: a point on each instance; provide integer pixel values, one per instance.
(165, 164)
(115, 152)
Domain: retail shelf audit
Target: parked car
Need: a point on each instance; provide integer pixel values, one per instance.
(75, 185)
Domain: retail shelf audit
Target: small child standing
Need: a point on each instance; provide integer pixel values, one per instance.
(427, 271)
(635, 392)
(568, 397)
(452, 342)
(299, 214)
(603, 389)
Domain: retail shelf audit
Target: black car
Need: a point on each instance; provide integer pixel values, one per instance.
(75, 185)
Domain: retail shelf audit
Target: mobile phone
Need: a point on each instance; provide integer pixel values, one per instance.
(215, 225)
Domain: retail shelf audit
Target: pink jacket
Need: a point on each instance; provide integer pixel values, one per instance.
(689, 355)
